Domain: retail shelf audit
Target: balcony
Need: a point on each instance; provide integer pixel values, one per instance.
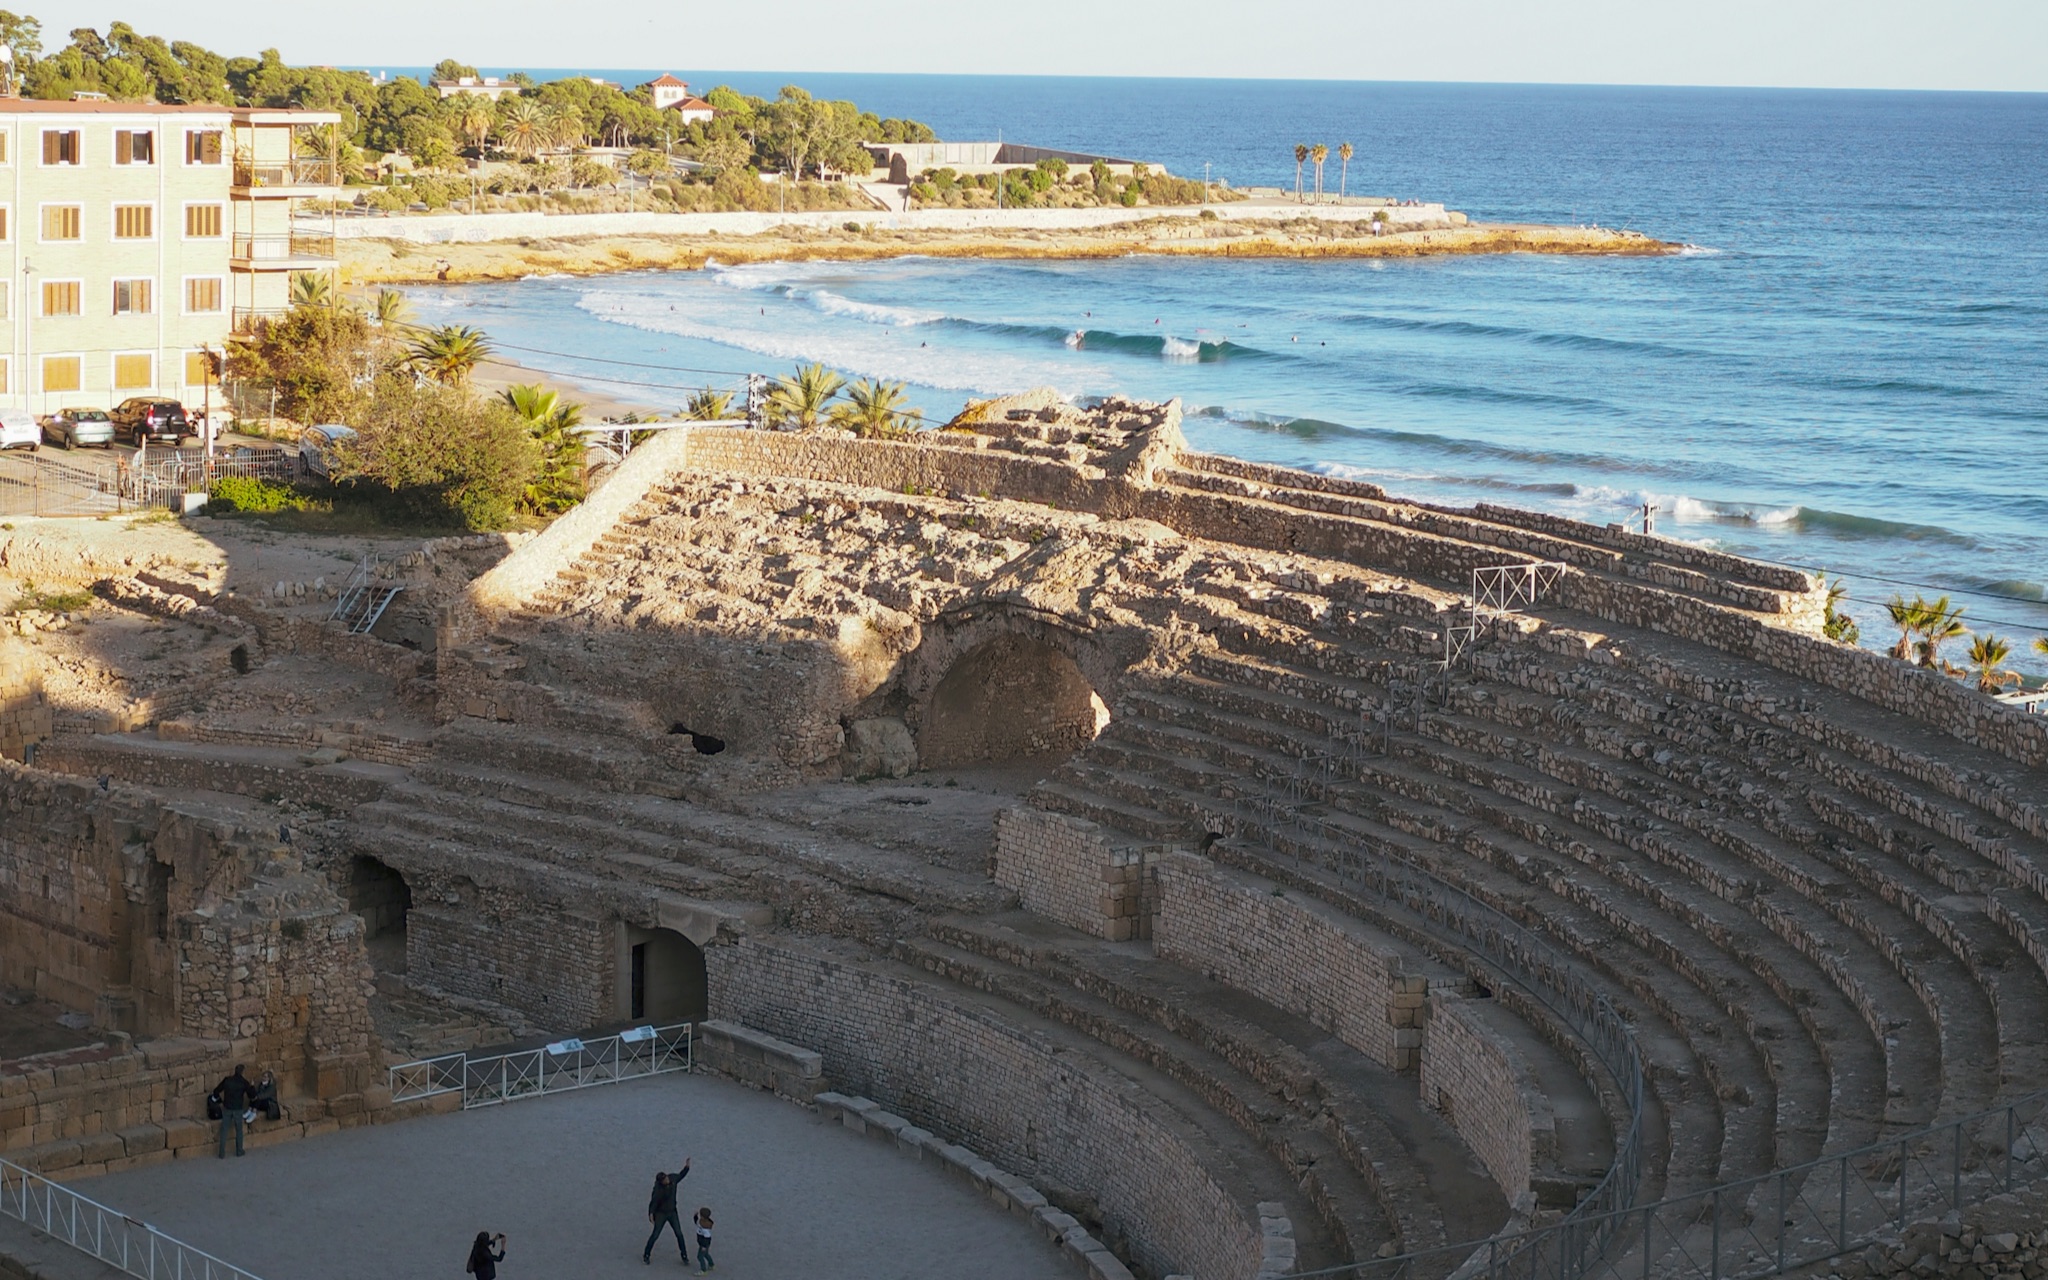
(286, 177)
(249, 320)
(298, 251)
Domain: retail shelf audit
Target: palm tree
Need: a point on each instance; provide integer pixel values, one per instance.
(1344, 153)
(1300, 158)
(449, 353)
(1987, 656)
(474, 116)
(558, 483)
(1907, 617)
(875, 409)
(800, 400)
(312, 289)
(392, 311)
(1939, 625)
(1835, 624)
(708, 405)
(525, 127)
(1319, 153)
(563, 124)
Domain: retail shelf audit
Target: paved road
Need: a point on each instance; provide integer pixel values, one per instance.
(566, 1179)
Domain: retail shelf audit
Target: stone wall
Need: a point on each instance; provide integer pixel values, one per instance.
(1064, 869)
(971, 466)
(24, 714)
(553, 968)
(335, 787)
(1292, 952)
(1050, 1117)
(1484, 1087)
(160, 922)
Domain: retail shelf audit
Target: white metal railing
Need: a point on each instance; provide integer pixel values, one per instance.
(552, 1068)
(107, 1234)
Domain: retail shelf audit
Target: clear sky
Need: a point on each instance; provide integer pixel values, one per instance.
(1888, 44)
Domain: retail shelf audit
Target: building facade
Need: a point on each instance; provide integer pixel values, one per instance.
(138, 237)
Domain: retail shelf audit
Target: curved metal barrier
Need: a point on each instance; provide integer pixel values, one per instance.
(107, 1234)
(553, 1068)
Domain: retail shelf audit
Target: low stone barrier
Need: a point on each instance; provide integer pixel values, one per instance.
(1063, 868)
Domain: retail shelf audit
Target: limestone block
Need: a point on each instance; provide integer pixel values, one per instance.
(878, 748)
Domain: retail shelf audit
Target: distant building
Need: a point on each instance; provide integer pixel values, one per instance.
(482, 86)
(671, 94)
(905, 160)
(139, 237)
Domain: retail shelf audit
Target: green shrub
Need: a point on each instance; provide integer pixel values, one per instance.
(231, 494)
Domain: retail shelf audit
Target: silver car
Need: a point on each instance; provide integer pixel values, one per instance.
(74, 427)
(316, 447)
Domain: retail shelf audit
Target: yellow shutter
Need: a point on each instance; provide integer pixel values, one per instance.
(132, 222)
(4, 361)
(132, 373)
(62, 373)
(60, 297)
(198, 370)
(202, 221)
(202, 295)
(60, 222)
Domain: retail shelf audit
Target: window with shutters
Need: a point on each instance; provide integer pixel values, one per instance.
(134, 146)
(60, 146)
(6, 151)
(202, 295)
(202, 146)
(62, 297)
(6, 299)
(199, 368)
(6, 221)
(63, 373)
(62, 221)
(202, 221)
(6, 372)
(134, 221)
(132, 297)
(134, 371)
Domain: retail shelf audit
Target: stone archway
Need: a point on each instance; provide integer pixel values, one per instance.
(379, 894)
(663, 979)
(1012, 697)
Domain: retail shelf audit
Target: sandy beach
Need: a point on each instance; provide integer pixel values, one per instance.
(367, 261)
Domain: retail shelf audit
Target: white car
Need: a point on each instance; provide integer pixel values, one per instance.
(19, 429)
(316, 447)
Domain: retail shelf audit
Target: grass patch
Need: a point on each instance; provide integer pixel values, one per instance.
(33, 599)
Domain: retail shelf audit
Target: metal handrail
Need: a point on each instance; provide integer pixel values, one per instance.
(296, 244)
(553, 1068)
(302, 172)
(107, 1234)
(1773, 1222)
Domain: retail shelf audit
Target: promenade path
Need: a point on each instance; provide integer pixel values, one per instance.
(566, 1179)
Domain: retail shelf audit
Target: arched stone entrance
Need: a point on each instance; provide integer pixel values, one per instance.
(1013, 697)
(661, 979)
(379, 894)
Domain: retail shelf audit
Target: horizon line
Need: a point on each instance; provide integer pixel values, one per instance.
(508, 69)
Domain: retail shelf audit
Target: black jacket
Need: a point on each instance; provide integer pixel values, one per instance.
(661, 1202)
(234, 1093)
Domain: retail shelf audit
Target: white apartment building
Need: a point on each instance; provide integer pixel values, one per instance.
(139, 237)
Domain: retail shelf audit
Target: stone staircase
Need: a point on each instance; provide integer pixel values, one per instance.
(1819, 938)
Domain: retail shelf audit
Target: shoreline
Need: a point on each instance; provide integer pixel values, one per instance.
(367, 261)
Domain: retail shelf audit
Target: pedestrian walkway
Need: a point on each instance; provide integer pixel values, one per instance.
(566, 1179)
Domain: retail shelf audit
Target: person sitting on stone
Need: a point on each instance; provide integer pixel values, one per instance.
(263, 1101)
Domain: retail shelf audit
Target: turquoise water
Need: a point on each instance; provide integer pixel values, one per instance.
(1845, 371)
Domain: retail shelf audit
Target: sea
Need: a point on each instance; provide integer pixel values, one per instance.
(1845, 369)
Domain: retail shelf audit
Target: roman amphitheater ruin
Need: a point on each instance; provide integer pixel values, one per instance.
(1239, 871)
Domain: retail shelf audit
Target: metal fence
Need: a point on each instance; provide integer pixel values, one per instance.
(1741, 1230)
(1771, 1223)
(47, 485)
(164, 477)
(107, 1234)
(553, 1068)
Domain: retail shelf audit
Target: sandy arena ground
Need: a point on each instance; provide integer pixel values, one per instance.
(566, 1179)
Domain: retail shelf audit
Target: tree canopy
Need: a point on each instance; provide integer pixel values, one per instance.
(794, 132)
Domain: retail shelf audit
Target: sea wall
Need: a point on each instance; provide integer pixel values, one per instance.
(470, 228)
(1050, 1117)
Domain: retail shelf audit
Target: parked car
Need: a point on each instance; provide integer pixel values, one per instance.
(18, 430)
(154, 418)
(74, 427)
(316, 447)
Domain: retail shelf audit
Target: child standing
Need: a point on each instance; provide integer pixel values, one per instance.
(703, 1221)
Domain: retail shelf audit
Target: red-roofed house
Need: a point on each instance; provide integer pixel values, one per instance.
(671, 94)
